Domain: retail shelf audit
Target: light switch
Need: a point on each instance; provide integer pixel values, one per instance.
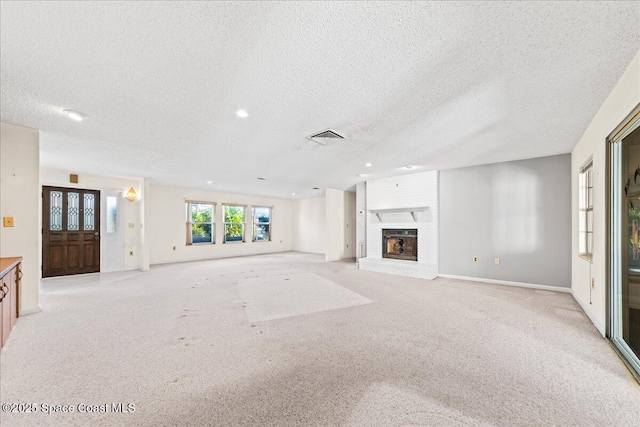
(7, 221)
(131, 225)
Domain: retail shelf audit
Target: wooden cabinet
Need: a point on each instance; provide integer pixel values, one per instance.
(10, 275)
(6, 309)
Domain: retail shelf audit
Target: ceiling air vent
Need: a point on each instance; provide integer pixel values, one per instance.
(325, 137)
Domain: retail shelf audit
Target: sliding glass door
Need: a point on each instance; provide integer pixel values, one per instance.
(624, 262)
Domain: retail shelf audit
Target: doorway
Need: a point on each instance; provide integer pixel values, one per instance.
(623, 293)
(70, 231)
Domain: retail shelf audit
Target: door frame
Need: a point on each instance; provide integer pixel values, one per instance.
(616, 255)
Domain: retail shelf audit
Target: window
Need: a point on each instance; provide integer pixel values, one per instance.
(200, 223)
(234, 223)
(112, 214)
(585, 202)
(261, 224)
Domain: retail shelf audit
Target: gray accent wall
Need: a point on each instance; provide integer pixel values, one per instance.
(517, 211)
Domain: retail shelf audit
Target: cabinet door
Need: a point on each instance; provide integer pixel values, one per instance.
(1, 321)
(6, 309)
(13, 275)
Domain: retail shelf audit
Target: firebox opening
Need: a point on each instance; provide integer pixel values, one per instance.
(400, 244)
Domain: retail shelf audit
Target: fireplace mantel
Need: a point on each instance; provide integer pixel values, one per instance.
(413, 211)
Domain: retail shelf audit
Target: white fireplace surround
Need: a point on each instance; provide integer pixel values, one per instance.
(408, 201)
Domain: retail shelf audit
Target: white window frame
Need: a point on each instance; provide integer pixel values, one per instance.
(189, 241)
(244, 223)
(585, 211)
(256, 223)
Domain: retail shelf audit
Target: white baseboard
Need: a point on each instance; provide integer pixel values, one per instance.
(30, 310)
(509, 283)
(586, 310)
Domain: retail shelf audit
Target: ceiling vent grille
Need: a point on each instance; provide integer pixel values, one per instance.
(325, 137)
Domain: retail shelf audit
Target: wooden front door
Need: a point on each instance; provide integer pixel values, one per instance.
(70, 231)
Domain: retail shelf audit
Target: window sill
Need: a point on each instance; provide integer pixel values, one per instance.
(200, 244)
(261, 241)
(588, 258)
(234, 242)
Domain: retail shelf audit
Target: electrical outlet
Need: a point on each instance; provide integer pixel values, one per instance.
(475, 259)
(593, 283)
(497, 260)
(131, 225)
(130, 253)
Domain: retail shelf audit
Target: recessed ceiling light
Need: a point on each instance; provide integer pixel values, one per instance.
(368, 165)
(75, 115)
(262, 179)
(362, 175)
(317, 188)
(409, 167)
(293, 194)
(242, 113)
(209, 182)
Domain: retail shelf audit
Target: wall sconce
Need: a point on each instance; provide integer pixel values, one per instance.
(131, 195)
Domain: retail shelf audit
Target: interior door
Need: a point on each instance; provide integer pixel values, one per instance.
(70, 231)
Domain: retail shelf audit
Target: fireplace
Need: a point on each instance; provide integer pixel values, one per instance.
(400, 244)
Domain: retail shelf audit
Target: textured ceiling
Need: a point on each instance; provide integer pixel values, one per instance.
(437, 85)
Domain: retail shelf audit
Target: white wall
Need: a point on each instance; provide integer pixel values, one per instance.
(309, 225)
(350, 223)
(19, 198)
(130, 211)
(340, 224)
(622, 99)
(166, 225)
(145, 214)
(361, 220)
(335, 220)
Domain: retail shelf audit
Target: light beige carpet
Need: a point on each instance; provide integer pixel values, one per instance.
(205, 343)
(274, 297)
